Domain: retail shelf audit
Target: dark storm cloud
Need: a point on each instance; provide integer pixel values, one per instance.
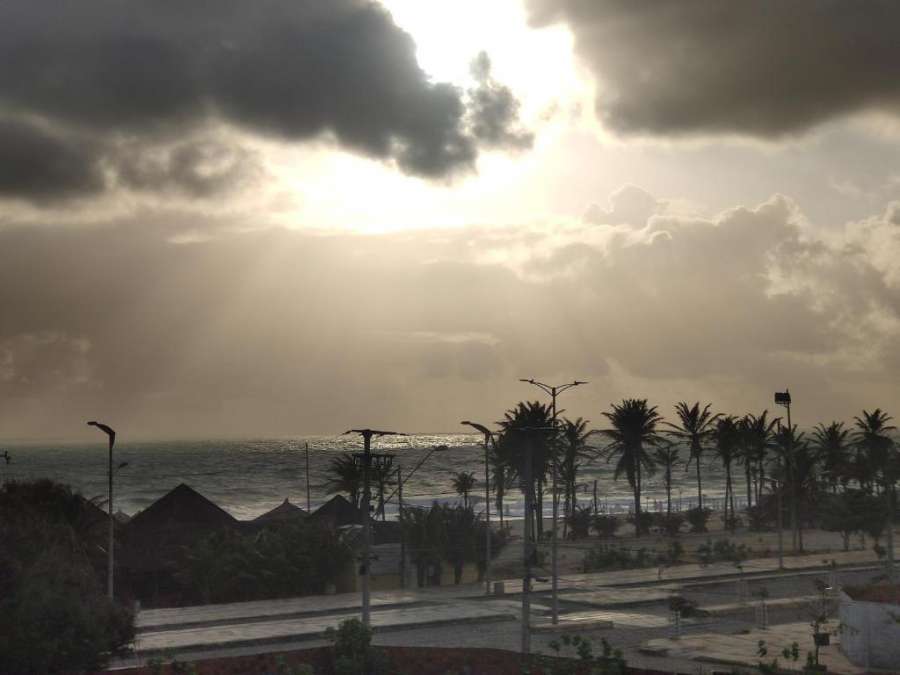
(494, 110)
(291, 69)
(762, 68)
(39, 165)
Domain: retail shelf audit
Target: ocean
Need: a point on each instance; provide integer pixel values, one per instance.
(249, 477)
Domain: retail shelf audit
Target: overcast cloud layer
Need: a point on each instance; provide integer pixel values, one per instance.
(281, 332)
(80, 78)
(764, 68)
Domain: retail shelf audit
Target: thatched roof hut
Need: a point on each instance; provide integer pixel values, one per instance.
(181, 507)
(337, 511)
(283, 512)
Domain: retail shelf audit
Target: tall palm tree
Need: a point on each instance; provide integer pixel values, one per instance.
(503, 472)
(832, 443)
(667, 457)
(574, 448)
(346, 477)
(463, 482)
(799, 464)
(694, 428)
(525, 430)
(632, 434)
(726, 436)
(759, 437)
(872, 439)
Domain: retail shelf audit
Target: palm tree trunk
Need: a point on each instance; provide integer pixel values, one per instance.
(668, 490)
(638, 527)
(728, 494)
(749, 488)
(699, 485)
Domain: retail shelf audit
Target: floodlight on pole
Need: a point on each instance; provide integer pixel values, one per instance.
(110, 559)
(554, 391)
(366, 458)
(488, 436)
(783, 398)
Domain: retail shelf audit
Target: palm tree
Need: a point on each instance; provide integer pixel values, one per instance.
(833, 445)
(872, 438)
(875, 445)
(632, 433)
(667, 456)
(726, 436)
(759, 436)
(463, 482)
(525, 429)
(799, 463)
(574, 440)
(694, 428)
(346, 476)
(503, 472)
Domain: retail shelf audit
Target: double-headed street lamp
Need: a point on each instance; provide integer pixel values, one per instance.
(554, 391)
(365, 458)
(488, 435)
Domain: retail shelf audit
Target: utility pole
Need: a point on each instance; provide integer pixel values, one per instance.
(402, 535)
(111, 436)
(308, 510)
(526, 554)
(595, 497)
(554, 391)
(365, 458)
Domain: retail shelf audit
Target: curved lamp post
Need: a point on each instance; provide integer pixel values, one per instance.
(111, 435)
(488, 435)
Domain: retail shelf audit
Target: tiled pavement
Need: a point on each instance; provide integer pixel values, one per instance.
(742, 649)
(429, 615)
(275, 630)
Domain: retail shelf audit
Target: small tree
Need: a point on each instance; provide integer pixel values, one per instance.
(463, 482)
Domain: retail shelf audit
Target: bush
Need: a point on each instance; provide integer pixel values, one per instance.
(698, 518)
(353, 652)
(579, 522)
(605, 525)
(723, 550)
(669, 523)
(643, 522)
(283, 560)
(603, 558)
(54, 614)
(759, 518)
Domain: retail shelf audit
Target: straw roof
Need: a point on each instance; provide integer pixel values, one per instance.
(338, 511)
(284, 511)
(181, 506)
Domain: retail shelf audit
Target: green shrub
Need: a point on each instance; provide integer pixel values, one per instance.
(605, 525)
(54, 614)
(698, 518)
(353, 651)
(579, 522)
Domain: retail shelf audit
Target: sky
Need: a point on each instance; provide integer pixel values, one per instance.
(250, 218)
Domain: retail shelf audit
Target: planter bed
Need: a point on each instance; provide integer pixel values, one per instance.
(402, 661)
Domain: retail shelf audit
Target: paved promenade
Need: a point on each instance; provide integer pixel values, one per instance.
(628, 607)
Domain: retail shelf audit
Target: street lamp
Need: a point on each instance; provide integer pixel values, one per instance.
(365, 458)
(783, 398)
(488, 435)
(111, 435)
(554, 391)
